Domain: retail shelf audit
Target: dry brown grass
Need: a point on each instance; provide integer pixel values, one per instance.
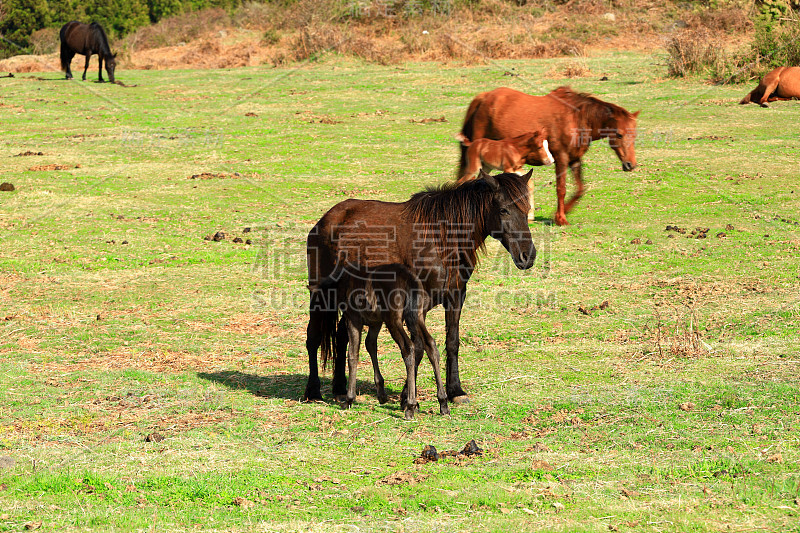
(571, 69)
(695, 52)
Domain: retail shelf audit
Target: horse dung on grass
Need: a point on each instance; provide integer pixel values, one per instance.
(436, 235)
(86, 39)
(572, 121)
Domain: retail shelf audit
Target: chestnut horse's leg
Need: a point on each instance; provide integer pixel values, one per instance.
(371, 344)
(561, 187)
(768, 90)
(576, 168)
(452, 316)
(86, 67)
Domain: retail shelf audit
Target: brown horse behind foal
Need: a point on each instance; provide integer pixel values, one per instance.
(572, 121)
(783, 83)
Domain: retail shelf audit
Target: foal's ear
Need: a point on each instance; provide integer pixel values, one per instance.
(115, 56)
(489, 179)
(636, 115)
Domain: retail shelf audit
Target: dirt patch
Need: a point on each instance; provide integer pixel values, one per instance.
(55, 166)
(426, 120)
(7, 187)
(260, 324)
(711, 138)
(210, 176)
(155, 361)
(28, 153)
(403, 478)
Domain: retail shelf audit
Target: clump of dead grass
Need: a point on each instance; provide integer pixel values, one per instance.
(570, 69)
(693, 52)
(677, 334)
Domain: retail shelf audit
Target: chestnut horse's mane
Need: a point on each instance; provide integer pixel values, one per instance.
(450, 207)
(588, 107)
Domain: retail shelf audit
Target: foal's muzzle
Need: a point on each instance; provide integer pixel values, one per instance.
(627, 166)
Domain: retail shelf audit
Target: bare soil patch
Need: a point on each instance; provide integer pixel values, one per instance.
(54, 166)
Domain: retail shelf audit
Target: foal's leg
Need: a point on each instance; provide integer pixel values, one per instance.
(371, 343)
(576, 168)
(86, 67)
(354, 337)
(395, 327)
(433, 356)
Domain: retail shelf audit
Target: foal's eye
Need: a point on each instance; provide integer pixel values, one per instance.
(503, 211)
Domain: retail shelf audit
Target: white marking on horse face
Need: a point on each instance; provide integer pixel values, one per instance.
(520, 172)
(549, 160)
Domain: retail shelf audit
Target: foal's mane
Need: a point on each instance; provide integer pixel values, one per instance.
(591, 109)
(451, 207)
(98, 32)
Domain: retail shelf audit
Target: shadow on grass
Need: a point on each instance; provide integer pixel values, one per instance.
(286, 386)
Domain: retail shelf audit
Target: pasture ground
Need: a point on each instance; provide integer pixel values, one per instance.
(673, 407)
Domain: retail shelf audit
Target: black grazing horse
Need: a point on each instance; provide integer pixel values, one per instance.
(436, 235)
(86, 39)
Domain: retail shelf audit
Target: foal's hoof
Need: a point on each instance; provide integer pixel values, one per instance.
(409, 414)
(383, 398)
(460, 400)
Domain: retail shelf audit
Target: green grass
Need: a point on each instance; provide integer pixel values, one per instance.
(579, 415)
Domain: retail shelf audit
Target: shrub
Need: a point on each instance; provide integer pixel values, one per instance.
(694, 52)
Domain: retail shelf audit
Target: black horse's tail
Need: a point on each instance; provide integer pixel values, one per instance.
(65, 50)
(324, 296)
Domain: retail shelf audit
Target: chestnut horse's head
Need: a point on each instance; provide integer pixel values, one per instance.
(507, 220)
(622, 137)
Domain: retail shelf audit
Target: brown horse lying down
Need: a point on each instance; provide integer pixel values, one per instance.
(507, 155)
(783, 83)
(392, 295)
(572, 121)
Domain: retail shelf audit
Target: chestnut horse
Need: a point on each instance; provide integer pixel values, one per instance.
(783, 83)
(436, 234)
(86, 39)
(572, 121)
(391, 295)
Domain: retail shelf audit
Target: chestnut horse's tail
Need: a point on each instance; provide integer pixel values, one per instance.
(467, 130)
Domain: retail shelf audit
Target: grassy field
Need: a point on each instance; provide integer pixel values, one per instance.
(673, 407)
